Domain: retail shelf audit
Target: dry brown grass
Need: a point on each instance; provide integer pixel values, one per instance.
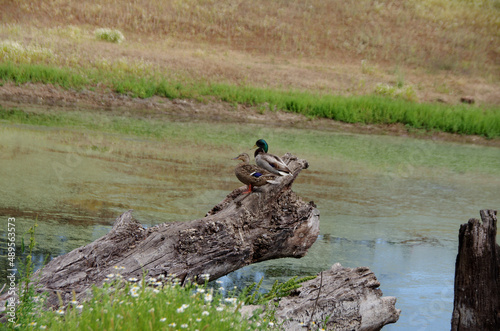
(444, 48)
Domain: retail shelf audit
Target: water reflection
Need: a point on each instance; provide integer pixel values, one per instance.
(392, 204)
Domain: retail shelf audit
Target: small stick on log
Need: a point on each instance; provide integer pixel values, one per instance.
(477, 276)
(317, 298)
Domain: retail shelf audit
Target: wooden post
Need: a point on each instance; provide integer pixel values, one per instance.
(477, 278)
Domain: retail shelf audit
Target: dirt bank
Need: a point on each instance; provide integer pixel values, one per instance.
(40, 96)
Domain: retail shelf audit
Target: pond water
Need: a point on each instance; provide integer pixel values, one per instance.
(394, 204)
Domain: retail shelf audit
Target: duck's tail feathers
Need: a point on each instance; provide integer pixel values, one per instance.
(270, 181)
(282, 173)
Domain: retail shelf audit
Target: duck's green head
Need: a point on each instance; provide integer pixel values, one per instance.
(262, 144)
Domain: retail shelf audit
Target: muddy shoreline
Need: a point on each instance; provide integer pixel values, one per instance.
(43, 97)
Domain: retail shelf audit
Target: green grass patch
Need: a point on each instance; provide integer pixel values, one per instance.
(371, 109)
(38, 73)
(154, 304)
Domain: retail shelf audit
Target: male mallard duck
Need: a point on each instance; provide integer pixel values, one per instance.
(251, 174)
(270, 162)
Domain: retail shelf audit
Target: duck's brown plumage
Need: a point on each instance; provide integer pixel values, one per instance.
(250, 174)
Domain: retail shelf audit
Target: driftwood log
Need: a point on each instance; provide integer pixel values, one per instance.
(477, 276)
(271, 222)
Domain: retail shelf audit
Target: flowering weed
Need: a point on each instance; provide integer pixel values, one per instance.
(150, 304)
(11, 51)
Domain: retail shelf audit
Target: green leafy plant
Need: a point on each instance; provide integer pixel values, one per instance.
(252, 294)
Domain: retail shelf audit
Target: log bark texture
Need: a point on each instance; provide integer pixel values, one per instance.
(347, 299)
(271, 222)
(477, 276)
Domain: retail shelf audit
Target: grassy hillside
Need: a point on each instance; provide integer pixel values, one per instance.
(456, 35)
(293, 55)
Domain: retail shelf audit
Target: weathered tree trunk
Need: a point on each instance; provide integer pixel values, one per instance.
(347, 299)
(271, 222)
(477, 278)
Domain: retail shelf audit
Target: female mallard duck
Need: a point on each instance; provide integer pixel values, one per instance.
(270, 162)
(251, 174)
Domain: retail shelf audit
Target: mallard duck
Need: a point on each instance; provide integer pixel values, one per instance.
(269, 162)
(250, 174)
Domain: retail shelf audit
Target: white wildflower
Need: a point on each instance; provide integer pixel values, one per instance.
(133, 291)
(231, 300)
